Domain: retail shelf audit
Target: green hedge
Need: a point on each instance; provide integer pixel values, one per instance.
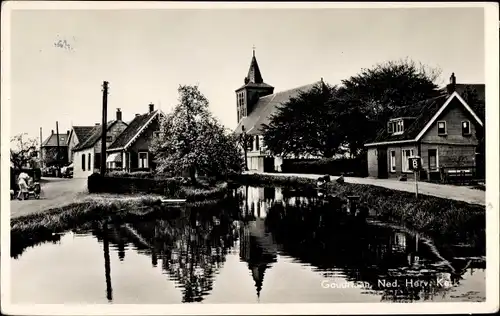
(127, 184)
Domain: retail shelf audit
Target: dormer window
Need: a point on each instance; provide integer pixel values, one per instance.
(395, 127)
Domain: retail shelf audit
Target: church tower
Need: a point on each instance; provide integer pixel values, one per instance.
(254, 87)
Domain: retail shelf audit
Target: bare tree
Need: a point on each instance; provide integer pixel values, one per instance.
(22, 151)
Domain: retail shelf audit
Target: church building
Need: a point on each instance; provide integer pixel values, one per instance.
(256, 101)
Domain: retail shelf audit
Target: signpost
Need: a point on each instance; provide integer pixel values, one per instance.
(415, 165)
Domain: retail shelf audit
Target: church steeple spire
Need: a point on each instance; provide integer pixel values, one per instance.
(253, 89)
(254, 75)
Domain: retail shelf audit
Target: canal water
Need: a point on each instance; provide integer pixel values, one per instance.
(261, 245)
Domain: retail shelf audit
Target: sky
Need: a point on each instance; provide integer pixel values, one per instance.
(146, 54)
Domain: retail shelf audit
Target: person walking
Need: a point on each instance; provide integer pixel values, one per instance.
(22, 182)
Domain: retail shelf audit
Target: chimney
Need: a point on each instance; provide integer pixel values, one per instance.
(137, 114)
(451, 87)
(151, 107)
(118, 114)
(97, 124)
(67, 133)
(52, 132)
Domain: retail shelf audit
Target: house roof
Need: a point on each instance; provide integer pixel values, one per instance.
(51, 141)
(461, 87)
(133, 130)
(425, 112)
(94, 136)
(82, 132)
(266, 106)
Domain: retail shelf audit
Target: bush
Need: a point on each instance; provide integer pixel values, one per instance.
(333, 166)
(125, 184)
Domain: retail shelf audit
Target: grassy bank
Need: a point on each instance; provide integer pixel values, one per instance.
(439, 218)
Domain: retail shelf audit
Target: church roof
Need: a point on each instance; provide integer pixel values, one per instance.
(266, 106)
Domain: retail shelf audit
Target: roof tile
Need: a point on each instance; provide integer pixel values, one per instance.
(266, 106)
(132, 129)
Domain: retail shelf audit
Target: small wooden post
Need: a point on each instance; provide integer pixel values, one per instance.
(416, 184)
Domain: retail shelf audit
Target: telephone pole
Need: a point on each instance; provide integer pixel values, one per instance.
(104, 126)
(58, 161)
(41, 140)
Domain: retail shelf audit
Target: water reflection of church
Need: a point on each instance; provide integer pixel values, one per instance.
(257, 247)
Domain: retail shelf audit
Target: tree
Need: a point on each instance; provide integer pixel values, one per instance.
(471, 96)
(374, 95)
(22, 151)
(306, 125)
(53, 157)
(192, 140)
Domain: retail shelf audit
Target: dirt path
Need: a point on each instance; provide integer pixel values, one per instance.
(459, 193)
(55, 192)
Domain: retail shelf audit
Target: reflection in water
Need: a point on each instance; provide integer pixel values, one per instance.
(275, 225)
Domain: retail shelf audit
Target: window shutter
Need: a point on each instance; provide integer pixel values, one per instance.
(389, 127)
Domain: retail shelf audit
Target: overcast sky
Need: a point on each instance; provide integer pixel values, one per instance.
(146, 54)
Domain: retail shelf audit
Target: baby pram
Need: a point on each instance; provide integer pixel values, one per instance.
(34, 190)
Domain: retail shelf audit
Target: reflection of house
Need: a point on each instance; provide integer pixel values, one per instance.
(442, 131)
(50, 146)
(87, 154)
(130, 151)
(256, 102)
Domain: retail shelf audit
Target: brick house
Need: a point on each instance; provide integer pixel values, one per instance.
(87, 154)
(49, 150)
(130, 151)
(443, 131)
(256, 102)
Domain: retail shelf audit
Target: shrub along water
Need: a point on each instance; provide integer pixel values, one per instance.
(150, 183)
(442, 219)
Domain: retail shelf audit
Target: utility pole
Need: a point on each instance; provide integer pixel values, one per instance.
(104, 126)
(58, 162)
(41, 157)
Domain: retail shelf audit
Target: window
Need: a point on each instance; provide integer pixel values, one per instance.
(83, 162)
(393, 161)
(405, 154)
(465, 128)
(89, 163)
(395, 127)
(109, 138)
(433, 161)
(143, 160)
(441, 128)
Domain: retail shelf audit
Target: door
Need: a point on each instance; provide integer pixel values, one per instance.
(268, 164)
(382, 163)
